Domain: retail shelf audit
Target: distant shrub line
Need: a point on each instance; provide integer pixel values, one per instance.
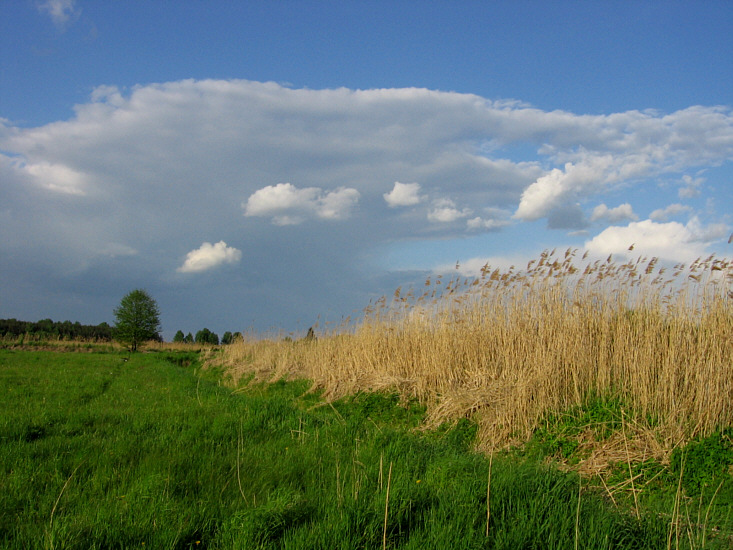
(205, 336)
(46, 328)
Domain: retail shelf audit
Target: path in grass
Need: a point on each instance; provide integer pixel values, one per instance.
(99, 452)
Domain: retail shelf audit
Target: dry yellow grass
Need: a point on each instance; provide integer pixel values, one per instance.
(509, 346)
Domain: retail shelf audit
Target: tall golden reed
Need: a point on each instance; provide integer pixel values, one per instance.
(509, 346)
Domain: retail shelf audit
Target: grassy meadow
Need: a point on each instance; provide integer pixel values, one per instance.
(553, 407)
(99, 452)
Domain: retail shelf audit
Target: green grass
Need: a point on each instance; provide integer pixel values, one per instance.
(693, 493)
(99, 452)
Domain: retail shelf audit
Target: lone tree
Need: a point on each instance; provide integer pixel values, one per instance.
(137, 319)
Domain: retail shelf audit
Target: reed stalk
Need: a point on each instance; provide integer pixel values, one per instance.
(508, 347)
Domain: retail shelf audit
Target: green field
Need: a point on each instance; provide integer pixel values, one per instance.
(101, 451)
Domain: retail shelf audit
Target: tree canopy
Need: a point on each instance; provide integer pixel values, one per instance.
(137, 319)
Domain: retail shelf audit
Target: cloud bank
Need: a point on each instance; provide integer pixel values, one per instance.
(671, 241)
(312, 182)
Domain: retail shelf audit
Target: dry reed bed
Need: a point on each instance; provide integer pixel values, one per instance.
(508, 347)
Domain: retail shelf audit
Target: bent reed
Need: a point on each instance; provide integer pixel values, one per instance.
(508, 348)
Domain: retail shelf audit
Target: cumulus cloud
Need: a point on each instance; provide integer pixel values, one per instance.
(445, 211)
(669, 241)
(474, 267)
(663, 214)
(620, 213)
(169, 162)
(288, 205)
(627, 148)
(403, 194)
(562, 186)
(706, 233)
(338, 204)
(486, 224)
(691, 187)
(209, 256)
(547, 193)
(55, 177)
(491, 219)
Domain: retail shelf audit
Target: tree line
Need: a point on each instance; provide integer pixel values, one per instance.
(205, 336)
(137, 320)
(48, 329)
(103, 332)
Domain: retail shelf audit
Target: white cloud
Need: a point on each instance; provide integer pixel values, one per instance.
(706, 233)
(560, 187)
(613, 215)
(172, 161)
(288, 205)
(403, 194)
(57, 177)
(670, 241)
(474, 267)
(491, 220)
(543, 195)
(337, 204)
(60, 11)
(54, 177)
(486, 224)
(209, 256)
(445, 211)
(109, 95)
(276, 200)
(663, 214)
(691, 187)
(626, 148)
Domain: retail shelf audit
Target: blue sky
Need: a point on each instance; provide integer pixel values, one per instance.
(261, 164)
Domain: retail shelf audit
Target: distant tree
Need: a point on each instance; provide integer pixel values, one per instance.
(189, 338)
(179, 338)
(66, 330)
(205, 336)
(103, 331)
(137, 319)
(45, 327)
(227, 338)
(237, 336)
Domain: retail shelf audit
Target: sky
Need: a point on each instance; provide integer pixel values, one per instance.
(267, 166)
